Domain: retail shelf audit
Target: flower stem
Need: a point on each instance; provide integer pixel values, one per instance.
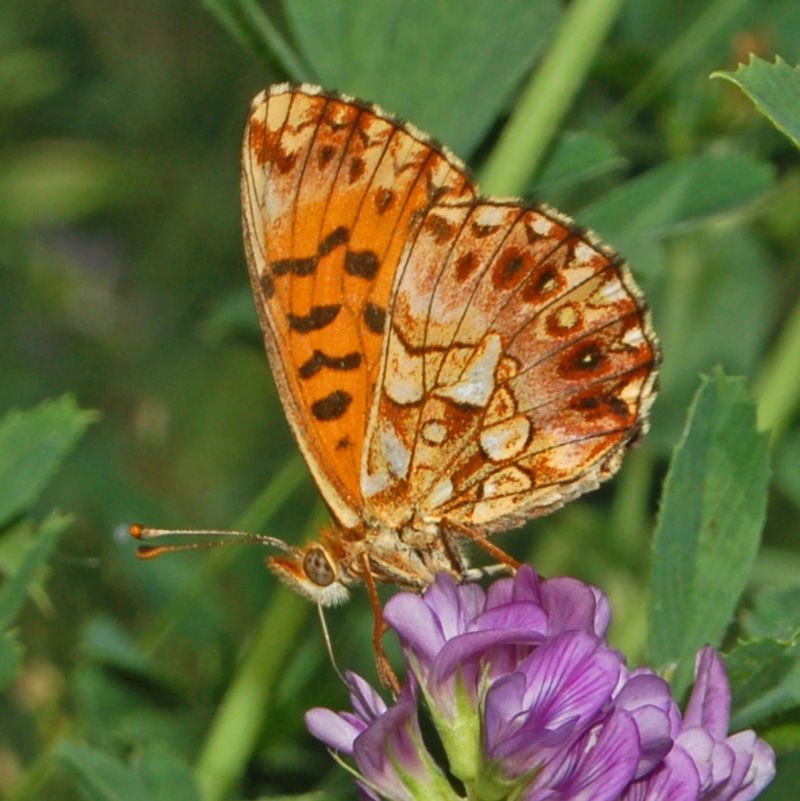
(778, 385)
(240, 719)
(548, 96)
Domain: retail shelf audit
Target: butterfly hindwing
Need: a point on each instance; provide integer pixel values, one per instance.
(519, 363)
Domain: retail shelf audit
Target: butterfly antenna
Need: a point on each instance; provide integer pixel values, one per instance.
(208, 539)
(329, 644)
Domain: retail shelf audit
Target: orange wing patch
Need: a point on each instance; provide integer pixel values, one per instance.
(332, 189)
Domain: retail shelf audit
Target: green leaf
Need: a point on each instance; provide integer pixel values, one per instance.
(14, 591)
(755, 669)
(168, 778)
(578, 156)
(787, 466)
(775, 613)
(10, 659)
(737, 270)
(709, 526)
(102, 777)
(28, 76)
(675, 197)
(447, 67)
(234, 315)
(774, 89)
(105, 641)
(247, 22)
(33, 443)
(787, 777)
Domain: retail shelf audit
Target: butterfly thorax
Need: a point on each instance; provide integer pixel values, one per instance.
(409, 557)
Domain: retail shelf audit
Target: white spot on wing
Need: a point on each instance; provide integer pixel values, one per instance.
(633, 337)
(397, 454)
(506, 482)
(477, 382)
(584, 253)
(506, 439)
(403, 381)
(373, 483)
(434, 432)
(440, 494)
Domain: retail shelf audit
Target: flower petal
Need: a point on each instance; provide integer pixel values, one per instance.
(470, 647)
(603, 770)
(416, 625)
(336, 731)
(502, 705)
(515, 615)
(570, 676)
(647, 697)
(675, 780)
(572, 605)
(367, 704)
(710, 702)
(760, 761)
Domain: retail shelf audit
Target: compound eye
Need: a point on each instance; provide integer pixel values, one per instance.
(318, 568)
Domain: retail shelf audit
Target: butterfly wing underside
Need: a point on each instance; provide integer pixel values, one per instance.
(332, 189)
(519, 363)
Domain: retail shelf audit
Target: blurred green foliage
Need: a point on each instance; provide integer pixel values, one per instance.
(123, 284)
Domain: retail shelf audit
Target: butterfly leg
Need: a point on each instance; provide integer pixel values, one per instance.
(385, 672)
(481, 541)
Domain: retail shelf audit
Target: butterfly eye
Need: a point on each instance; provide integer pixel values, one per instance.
(318, 568)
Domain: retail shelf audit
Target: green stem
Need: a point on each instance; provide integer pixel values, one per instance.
(247, 22)
(548, 96)
(241, 717)
(255, 518)
(778, 386)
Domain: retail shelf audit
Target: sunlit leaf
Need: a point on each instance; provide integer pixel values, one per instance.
(15, 589)
(755, 669)
(464, 68)
(33, 443)
(709, 526)
(774, 89)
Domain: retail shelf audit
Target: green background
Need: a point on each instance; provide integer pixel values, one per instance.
(123, 284)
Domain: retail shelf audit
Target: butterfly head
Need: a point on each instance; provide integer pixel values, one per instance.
(313, 572)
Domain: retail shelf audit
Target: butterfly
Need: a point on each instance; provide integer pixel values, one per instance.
(451, 365)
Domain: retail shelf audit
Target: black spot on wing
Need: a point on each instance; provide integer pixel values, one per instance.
(267, 285)
(375, 318)
(332, 406)
(338, 236)
(304, 266)
(383, 199)
(319, 359)
(362, 264)
(317, 318)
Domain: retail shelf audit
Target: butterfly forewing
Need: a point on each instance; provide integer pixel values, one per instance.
(519, 363)
(332, 190)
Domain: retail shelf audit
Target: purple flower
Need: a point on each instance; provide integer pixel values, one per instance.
(735, 768)
(452, 633)
(531, 703)
(386, 744)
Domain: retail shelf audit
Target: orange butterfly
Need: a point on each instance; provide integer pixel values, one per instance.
(451, 365)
